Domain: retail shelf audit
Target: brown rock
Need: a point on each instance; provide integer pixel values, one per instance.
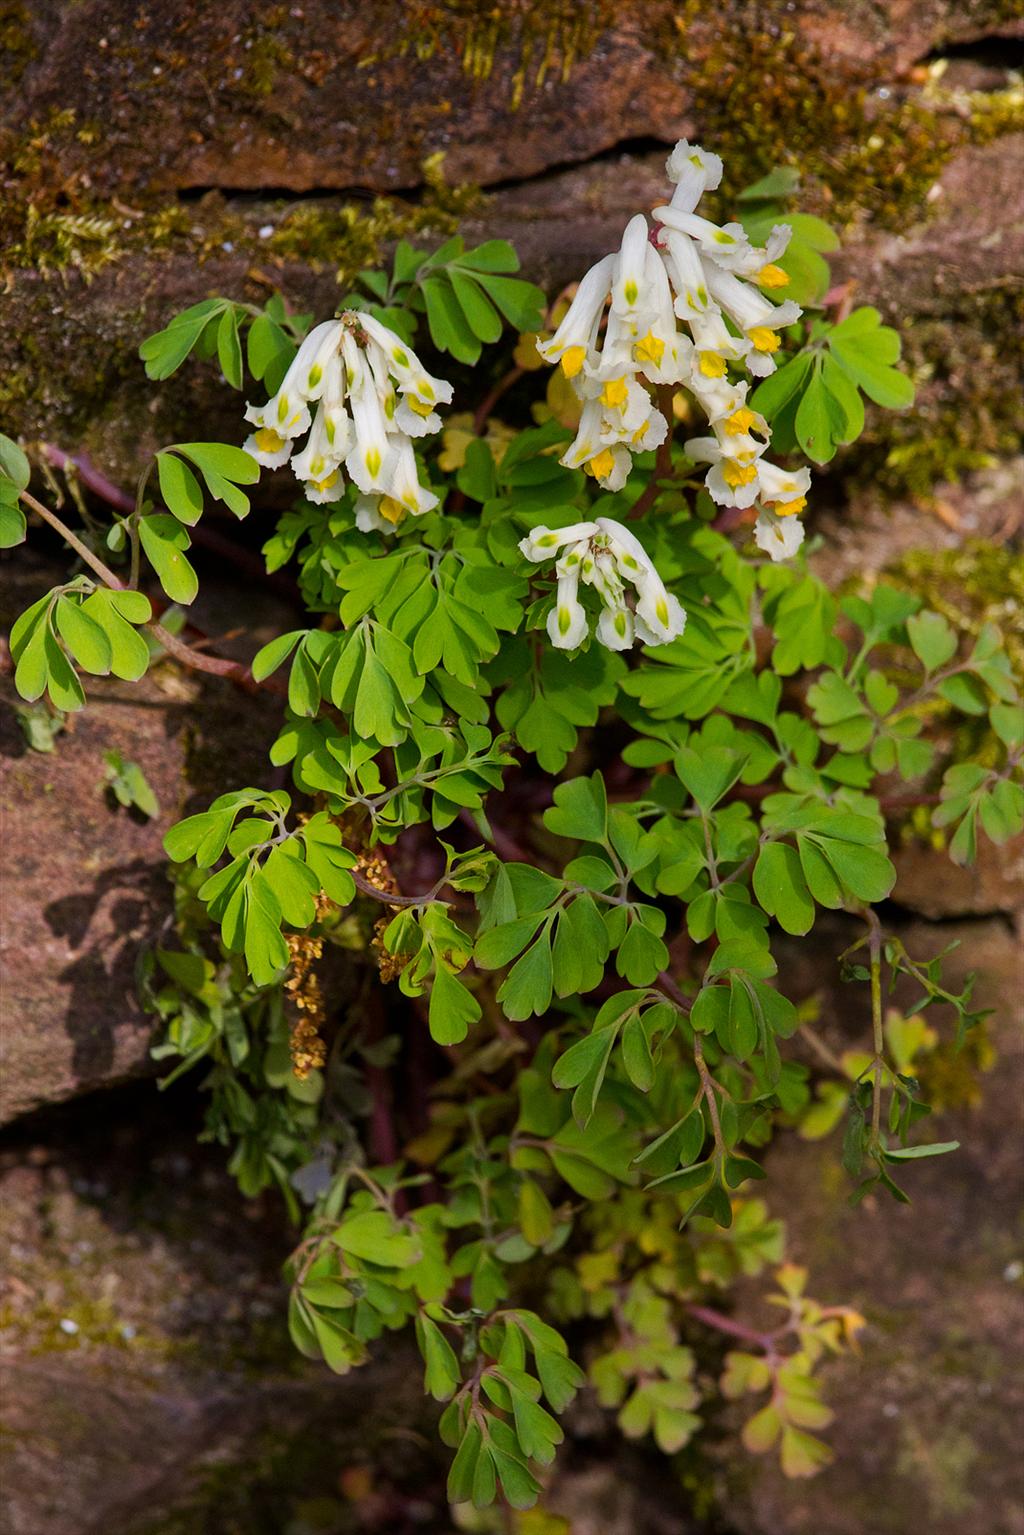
(925, 1433)
(344, 95)
(931, 884)
(85, 883)
(148, 1380)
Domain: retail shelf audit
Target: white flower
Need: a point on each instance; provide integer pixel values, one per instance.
(355, 362)
(739, 475)
(779, 537)
(709, 277)
(723, 243)
(605, 555)
(616, 628)
(541, 543)
(659, 616)
(369, 460)
(286, 413)
(567, 621)
(578, 331)
(694, 171)
(405, 487)
(320, 458)
(786, 489)
(758, 318)
(629, 287)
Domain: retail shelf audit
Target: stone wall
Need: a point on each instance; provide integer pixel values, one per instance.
(154, 156)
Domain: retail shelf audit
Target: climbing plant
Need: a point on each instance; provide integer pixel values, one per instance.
(574, 745)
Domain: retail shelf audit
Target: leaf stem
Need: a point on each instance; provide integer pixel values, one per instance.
(94, 562)
(878, 1064)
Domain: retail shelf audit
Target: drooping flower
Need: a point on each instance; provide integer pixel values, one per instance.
(779, 537)
(605, 556)
(685, 304)
(370, 396)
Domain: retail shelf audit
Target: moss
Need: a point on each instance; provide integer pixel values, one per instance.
(978, 583)
(352, 235)
(18, 48)
(967, 362)
(766, 97)
(265, 54)
(544, 36)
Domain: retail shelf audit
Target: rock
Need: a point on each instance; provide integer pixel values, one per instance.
(148, 1380)
(929, 883)
(924, 1429)
(86, 885)
(870, 534)
(343, 95)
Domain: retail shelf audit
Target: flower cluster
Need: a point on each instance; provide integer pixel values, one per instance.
(605, 555)
(710, 278)
(372, 396)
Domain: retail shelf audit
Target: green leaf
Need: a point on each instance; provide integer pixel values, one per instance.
(527, 988)
(164, 540)
(13, 524)
(14, 466)
(912, 1153)
(451, 1008)
(164, 352)
(179, 488)
(129, 653)
(442, 1375)
(580, 810)
(229, 350)
(266, 952)
(449, 329)
(781, 889)
(84, 637)
(864, 350)
(484, 320)
(933, 639)
(373, 1235)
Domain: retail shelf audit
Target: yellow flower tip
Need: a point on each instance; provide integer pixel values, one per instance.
(649, 349)
(735, 473)
(421, 407)
(269, 441)
(772, 276)
(741, 421)
(789, 508)
(373, 462)
(282, 408)
(631, 292)
(391, 510)
(572, 360)
(316, 373)
(327, 482)
(764, 339)
(564, 620)
(602, 464)
(712, 365)
(614, 393)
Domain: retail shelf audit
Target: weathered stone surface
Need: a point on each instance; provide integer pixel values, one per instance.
(148, 1381)
(925, 1426)
(149, 1387)
(930, 883)
(343, 95)
(85, 883)
(871, 533)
